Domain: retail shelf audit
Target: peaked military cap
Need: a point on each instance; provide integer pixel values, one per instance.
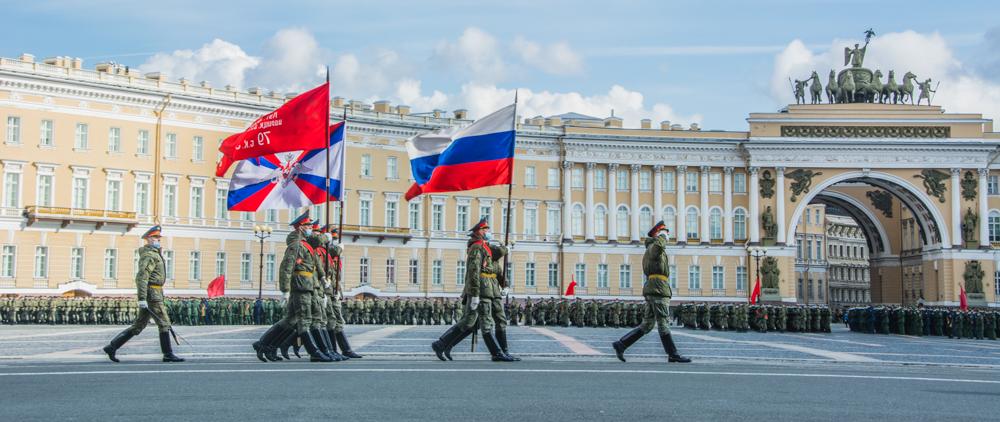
(301, 220)
(333, 230)
(482, 224)
(152, 232)
(656, 229)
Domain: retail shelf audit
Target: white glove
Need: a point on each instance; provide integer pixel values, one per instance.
(326, 283)
(340, 248)
(340, 295)
(284, 296)
(474, 303)
(325, 299)
(505, 291)
(143, 304)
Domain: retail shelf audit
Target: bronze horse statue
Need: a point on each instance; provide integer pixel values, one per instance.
(848, 87)
(832, 89)
(815, 89)
(890, 91)
(872, 91)
(906, 90)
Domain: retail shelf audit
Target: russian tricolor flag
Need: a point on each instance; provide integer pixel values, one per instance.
(457, 159)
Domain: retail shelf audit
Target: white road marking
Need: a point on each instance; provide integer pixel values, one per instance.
(837, 356)
(371, 336)
(184, 347)
(71, 332)
(821, 338)
(570, 343)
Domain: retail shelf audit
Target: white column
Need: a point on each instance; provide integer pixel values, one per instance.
(613, 202)
(657, 193)
(727, 211)
(705, 235)
(589, 206)
(635, 203)
(779, 213)
(753, 225)
(984, 228)
(681, 186)
(567, 199)
(956, 209)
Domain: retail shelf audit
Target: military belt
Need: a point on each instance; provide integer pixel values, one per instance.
(658, 277)
(487, 275)
(156, 286)
(304, 273)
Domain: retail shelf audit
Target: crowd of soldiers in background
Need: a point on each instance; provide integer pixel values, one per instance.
(417, 311)
(924, 321)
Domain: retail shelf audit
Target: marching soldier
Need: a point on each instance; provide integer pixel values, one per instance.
(149, 280)
(657, 293)
(334, 310)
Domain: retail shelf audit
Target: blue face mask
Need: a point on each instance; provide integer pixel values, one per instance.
(155, 244)
(488, 236)
(309, 232)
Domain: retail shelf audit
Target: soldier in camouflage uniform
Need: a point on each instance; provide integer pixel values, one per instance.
(656, 291)
(334, 290)
(149, 280)
(318, 324)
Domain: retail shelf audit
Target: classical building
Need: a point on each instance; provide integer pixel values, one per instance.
(847, 261)
(91, 158)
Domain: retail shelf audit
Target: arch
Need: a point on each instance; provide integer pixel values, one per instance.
(878, 239)
(670, 219)
(645, 217)
(691, 222)
(993, 221)
(715, 223)
(622, 221)
(740, 223)
(600, 220)
(929, 217)
(576, 220)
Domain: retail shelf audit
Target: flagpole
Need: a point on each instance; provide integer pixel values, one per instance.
(326, 192)
(510, 192)
(340, 199)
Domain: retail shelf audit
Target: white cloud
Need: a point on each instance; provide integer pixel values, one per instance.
(475, 53)
(218, 61)
(292, 61)
(557, 58)
(926, 55)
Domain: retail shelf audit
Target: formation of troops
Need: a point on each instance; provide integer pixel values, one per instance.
(120, 310)
(924, 321)
(758, 318)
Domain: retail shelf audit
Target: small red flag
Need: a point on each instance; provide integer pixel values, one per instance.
(217, 287)
(755, 295)
(963, 300)
(571, 289)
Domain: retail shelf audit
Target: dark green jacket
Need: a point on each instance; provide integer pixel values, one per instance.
(655, 263)
(152, 272)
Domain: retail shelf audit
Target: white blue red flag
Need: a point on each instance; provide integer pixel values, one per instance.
(290, 179)
(457, 159)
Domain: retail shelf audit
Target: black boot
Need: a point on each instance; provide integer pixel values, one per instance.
(117, 343)
(671, 349)
(286, 343)
(168, 352)
(328, 336)
(310, 344)
(321, 346)
(262, 346)
(271, 351)
(345, 347)
(442, 346)
(495, 352)
(464, 334)
(625, 342)
(502, 342)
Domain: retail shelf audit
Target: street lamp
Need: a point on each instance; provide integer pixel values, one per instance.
(757, 254)
(261, 233)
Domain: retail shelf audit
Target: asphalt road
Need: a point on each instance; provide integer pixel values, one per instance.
(568, 374)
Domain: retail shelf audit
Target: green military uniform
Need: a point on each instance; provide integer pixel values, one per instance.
(334, 292)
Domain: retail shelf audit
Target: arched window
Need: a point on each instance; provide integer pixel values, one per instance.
(994, 223)
(600, 221)
(577, 220)
(622, 222)
(692, 222)
(670, 220)
(715, 224)
(645, 218)
(740, 224)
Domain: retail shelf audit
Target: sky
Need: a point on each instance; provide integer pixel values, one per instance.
(705, 62)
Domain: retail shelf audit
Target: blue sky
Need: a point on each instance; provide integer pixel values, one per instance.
(710, 62)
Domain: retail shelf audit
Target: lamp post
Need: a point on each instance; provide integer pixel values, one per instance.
(261, 233)
(757, 254)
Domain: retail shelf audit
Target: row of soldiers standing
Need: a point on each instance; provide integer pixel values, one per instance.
(120, 310)
(922, 321)
(759, 318)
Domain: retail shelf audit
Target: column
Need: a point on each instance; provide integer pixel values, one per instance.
(753, 223)
(984, 227)
(589, 206)
(613, 203)
(634, 203)
(956, 209)
(727, 211)
(657, 193)
(779, 212)
(681, 225)
(705, 234)
(567, 202)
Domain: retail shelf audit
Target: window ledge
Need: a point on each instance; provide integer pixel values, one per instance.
(81, 149)
(141, 155)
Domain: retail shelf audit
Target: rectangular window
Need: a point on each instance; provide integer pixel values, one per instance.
(809, 247)
(220, 263)
(486, 211)
(669, 181)
(142, 143)
(7, 259)
(625, 276)
(194, 266)
(437, 272)
(553, 218)
(645, 178)
(414, 215)
(45, 136)
(715, 182)
(741, 278)
(170, 200)
(510, 274)
(391, 168)
(12, 190)
(80, 136)
(694, 277)
(170, 146)
(622, 180)
(691, 182)
(580, 273)
(673, 277)
(740, 182)
(221, 205)
(576, 178)
(366, 212)
(531, 221)
(529, 274)
(553, 274)
(600, 178)
(996, 283)
(414, 271)
(366, 165)
(80, 185)
(246, 262)
(390, 271)
(462, 218)
(168, 264)
(718, 278)
(41, 262)
(460, 273)
(76, 264)
(271, 216)
(553, 176)
(437, 217)
(391, 219)
(602, 276)
(198, 148)
(270, 267)
(114, 139)
(529, 177)
(114, 198)
(993, 185)
(13, 130)
(363, 271)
